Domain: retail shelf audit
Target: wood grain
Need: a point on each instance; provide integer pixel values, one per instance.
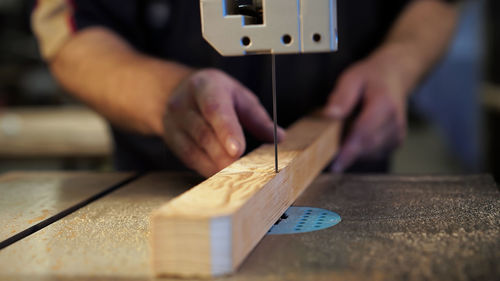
(209, 230)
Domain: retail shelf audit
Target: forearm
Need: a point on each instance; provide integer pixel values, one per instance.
(418, 39)
(128, 88)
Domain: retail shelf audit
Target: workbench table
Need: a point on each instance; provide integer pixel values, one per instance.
(393, 228)
(31, 198)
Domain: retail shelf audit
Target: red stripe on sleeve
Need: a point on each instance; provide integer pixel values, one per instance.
(71, 15)
(37, 2)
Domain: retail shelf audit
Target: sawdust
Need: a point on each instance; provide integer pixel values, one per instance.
(57, 266)
(45, 214)
(393, 230)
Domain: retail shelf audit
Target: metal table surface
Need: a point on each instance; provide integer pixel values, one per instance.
(393, 228)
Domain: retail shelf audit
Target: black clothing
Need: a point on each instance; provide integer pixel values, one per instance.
(171, 29)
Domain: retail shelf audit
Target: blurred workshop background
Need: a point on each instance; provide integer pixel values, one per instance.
(454, 115)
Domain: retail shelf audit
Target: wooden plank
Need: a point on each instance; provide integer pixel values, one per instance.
(28, 198)
(105, 240)
(53, 132)
(209, 230)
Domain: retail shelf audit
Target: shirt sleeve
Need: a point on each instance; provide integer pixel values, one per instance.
(54, 21)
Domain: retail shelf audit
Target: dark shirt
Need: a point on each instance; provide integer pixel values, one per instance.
(171, 29)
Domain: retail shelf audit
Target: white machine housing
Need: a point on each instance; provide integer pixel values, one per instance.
(286, 27)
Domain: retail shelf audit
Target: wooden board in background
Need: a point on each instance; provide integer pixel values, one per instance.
(209, 230)
(27, 198)
(53, 132)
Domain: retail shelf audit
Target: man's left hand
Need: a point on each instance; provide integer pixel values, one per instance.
(377, 85)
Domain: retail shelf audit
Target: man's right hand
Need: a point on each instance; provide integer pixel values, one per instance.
(205, 118)
(200, 114)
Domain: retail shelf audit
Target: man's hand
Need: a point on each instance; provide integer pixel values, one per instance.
(382, 82)
(204, 119)
(200, 115)
(375, 83)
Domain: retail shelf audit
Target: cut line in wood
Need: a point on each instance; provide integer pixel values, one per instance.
(210, 229)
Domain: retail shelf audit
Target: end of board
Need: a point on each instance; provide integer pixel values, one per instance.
(191, 247)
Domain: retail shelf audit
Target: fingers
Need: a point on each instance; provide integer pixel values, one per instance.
(254, 117)
(216, 105)
(346, 94)
(202, 134)
(372, 132)
(189, 152)
(202, 125)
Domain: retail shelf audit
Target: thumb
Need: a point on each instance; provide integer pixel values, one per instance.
(254, 117)
(346, 94)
